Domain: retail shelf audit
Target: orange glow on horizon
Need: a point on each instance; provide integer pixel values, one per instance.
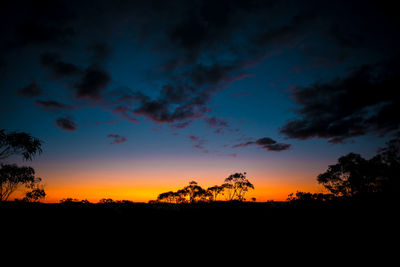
(142, 192)
(142, 181)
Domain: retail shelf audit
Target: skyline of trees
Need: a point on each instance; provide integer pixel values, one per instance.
(354, 177)
(234, 188)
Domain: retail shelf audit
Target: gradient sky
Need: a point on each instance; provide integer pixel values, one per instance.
(135, 98)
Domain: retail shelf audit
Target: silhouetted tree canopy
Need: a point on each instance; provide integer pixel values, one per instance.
(194, 192)
(190, 193)
(13, 176)
(306, 196)
(69, 201)
(18, 143)
(106, 201)
(165, 197)
(35, 195)
(236, 186)
(215, 191)
(354, 176)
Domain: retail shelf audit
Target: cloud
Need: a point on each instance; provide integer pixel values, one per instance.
(203, 29)
(126, 113)
(189, 32)
(203, 47)
(213, 74)
(198, 143)
(93, 82)
(289, 33)
(209, 47)
(53, 106)
(219, 124)
(95, 78)
(66, 124)
(58, 68)
(47, 23)
(346, 36)
(266, 143)
(200, 25)
(31, 90)
(188, 94)
(194, 138)
(162, 111)
(174, 94)
(118, 139)
(365, 101)
(215, 122)
(101, 52)
(33, 32)
(170, 106)
(181, 125)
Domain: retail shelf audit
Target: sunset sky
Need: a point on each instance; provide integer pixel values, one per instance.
(135, 98)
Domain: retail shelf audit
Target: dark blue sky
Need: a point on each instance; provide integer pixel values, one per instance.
(256, 86)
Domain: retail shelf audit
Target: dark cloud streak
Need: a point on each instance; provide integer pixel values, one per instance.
(267, 144)
(66, 124)
(118, 139)
(53, 106)
(94, 81)
(367, 100)
(31, 90)
(58, 68)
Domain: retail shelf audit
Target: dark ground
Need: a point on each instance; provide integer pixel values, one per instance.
(256, 216)
(206, 233)
(332, 228)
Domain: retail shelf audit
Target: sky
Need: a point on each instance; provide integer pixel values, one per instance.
(135, 98)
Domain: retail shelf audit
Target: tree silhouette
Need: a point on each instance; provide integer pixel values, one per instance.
(306, 196)
(35, 195)
(354, 176)
(180, 196)
(171, 197)
(388, 161)
(236, 186)
(15, 143)
(215, 191)
(106, 201)
(349, 177)
(13, 176)
(70, 200)
(194, 192)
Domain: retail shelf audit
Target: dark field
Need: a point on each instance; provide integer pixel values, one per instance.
(288, 230)
(336, 215)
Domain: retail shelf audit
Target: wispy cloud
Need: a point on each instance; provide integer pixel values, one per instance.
(66, 124)
(266, 143)
(117, 139)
